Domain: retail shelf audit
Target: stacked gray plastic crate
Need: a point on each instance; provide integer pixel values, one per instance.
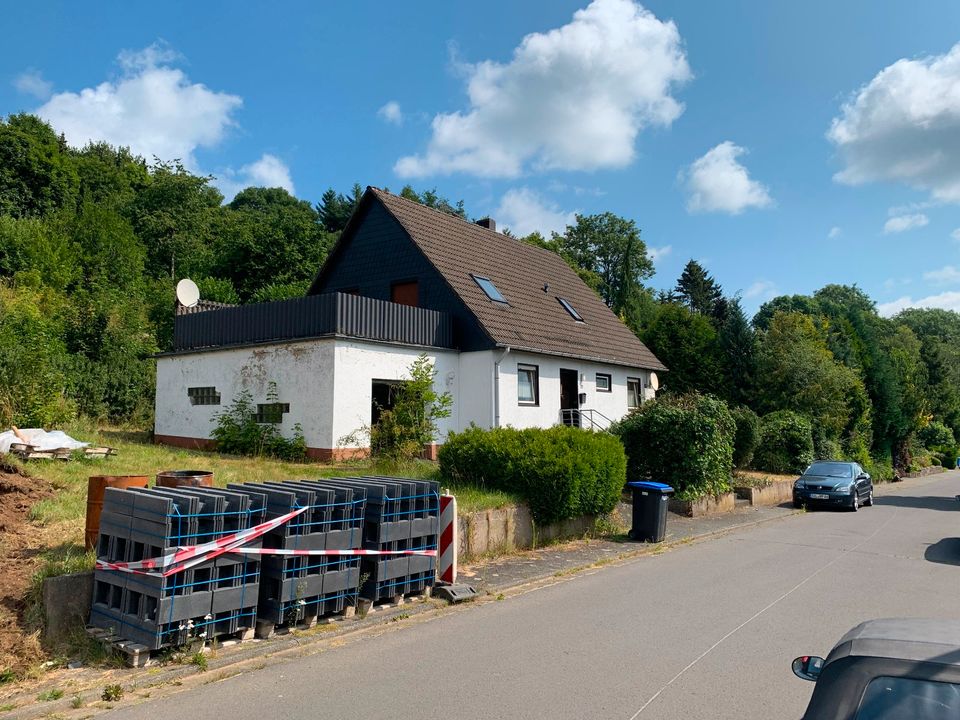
(297, 588)
(216, 597)
(227, 594)
(401, 514)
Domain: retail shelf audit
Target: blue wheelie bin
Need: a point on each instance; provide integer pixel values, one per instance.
(650, 501)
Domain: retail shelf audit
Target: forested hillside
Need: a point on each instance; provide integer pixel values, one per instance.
(92, 242)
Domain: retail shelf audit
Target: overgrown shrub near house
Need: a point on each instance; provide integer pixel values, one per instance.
(786, 443)
(237, 432)
(560, 472)
(747, 436)
(685, 441)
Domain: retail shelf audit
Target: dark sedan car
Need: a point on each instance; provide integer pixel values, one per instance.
(831, 482)
(895, 669)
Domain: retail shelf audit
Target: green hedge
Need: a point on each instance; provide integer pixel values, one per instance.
(786, 443)
(560, 472)
(685, 441)
(747, 436)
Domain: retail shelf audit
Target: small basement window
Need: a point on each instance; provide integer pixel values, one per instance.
(486, 284)
(528, 384)
(634, 392)
(603, 382)
(570, 309)
(271, 413)
(203, 396)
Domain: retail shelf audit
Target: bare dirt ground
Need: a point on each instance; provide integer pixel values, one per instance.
(19, 559)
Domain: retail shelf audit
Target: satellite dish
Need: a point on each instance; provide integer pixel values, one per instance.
(188, 294)
(654, 381)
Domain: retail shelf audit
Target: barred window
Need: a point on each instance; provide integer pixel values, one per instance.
(203, 396)
(271, 412)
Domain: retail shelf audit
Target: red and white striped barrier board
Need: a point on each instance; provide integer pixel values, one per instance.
(447, 564)
(188, 556)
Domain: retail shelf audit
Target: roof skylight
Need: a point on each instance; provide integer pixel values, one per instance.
(486, 284)
(570, 309)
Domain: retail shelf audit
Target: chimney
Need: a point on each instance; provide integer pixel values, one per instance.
(488, 223)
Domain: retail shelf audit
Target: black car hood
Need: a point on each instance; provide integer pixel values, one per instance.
(824, 480)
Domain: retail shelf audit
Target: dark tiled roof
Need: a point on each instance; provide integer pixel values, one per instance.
(534, 319)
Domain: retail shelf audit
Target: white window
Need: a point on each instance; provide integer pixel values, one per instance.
(603, 382)
(634, 392)
(528, 384)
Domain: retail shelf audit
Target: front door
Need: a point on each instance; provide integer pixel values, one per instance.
(569, 397)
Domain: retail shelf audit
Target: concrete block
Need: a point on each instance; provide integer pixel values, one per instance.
(66, 603)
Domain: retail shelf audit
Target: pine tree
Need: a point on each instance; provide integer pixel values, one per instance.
(698, 291)
(739, 346)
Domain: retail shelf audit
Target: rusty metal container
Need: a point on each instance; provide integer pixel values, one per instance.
(96, 485)
(185, 478)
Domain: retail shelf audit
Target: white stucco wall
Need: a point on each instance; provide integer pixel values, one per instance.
(328, 384)
(611, 404)
(358, 364)
(302, 371)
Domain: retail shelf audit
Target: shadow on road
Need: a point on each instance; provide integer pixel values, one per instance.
(920, 502)
(946, 552)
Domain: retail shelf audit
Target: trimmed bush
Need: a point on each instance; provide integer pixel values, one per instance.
(786, 443)
(560, 472)
(746, 437)
(685, 441)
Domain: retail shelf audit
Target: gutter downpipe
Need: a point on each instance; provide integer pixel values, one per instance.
(496, 387)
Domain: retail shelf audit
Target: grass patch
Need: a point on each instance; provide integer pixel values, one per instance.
(49, 695)
(8, 707)
(136, 455)
(112, 693)
(200, 660)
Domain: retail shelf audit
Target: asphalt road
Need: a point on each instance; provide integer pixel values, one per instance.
(703, 631)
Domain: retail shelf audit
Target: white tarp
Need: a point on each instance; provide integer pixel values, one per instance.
(40, 439)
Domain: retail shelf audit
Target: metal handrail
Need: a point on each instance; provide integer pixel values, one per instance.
(584, 418)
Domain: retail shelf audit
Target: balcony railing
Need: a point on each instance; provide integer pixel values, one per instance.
(313, 316)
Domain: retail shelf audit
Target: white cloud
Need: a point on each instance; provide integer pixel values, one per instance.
(391, 112)
(656, 253)
(891, 283)
(761, 289)
(902, 223)
(269, 171)
(948, 275)
(945, 301)
(834, 233)
(572, 98)
(524, 211)
(717, 182)
(151, 108)
(956, 234)
(904, 126)
(32, 82)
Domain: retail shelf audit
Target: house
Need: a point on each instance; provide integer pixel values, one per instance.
(515, 336)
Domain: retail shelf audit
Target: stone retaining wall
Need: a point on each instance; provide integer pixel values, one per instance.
(776, 493)
(493, 532)
(710, 505)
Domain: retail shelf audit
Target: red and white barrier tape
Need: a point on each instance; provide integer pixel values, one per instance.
(188, 556)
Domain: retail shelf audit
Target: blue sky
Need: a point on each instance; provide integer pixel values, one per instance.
(784, 145)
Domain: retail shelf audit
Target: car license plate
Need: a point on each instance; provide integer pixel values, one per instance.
(819, 496)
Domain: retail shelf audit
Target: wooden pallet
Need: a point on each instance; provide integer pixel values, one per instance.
(136, 655)
(266, 629)
(30, 452)
(365, 606)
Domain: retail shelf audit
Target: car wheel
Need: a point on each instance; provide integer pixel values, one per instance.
(797, 504)
(855, 503)
(869, 501)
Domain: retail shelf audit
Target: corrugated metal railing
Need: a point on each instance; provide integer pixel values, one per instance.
(312, 316)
